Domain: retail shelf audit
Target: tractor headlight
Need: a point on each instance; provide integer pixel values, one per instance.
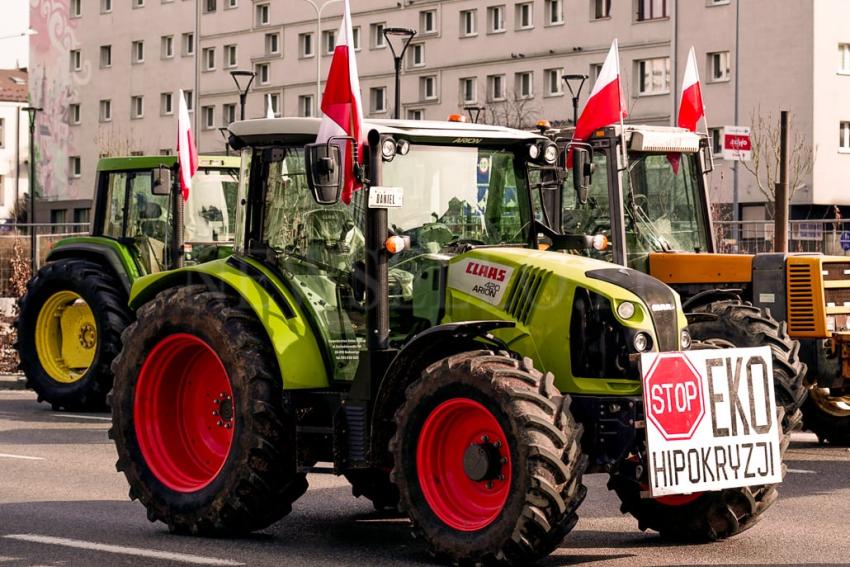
(388, 149)
(626, 310)
(534, 151)
(403, 147)
(550, 154)
(641, 342)
(685, 340)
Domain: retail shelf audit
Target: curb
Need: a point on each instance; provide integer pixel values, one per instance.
(13, 382)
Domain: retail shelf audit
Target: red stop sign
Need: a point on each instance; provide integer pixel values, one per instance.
(674, 400)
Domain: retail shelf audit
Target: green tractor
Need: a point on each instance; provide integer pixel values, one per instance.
(75, 308)
(417, 339)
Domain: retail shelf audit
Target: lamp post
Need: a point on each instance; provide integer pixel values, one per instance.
(404, 35)
(32, 111)
(30, 31)
(224, 131)
(474, 113)
(575, 93)
(318, 8)
(243, 90)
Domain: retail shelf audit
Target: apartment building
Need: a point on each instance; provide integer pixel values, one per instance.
(14, 140)
(504, 56)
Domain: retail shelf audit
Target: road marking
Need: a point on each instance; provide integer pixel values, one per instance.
(23, 457)
(75, 416)
(122, 550)
(801, 471)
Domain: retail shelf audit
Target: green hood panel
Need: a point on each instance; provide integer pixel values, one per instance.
(295, 345)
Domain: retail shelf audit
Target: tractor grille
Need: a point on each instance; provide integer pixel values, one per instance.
(836, 271)
(801, 305)
(523, 294)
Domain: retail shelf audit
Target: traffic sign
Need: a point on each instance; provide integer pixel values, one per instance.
(737, 143)
(674, 396)
(845, 240)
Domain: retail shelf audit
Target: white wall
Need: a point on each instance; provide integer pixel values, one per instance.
(10, 113)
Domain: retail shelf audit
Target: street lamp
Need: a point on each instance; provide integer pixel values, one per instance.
(30, 31)
(575, 93)
(224, 131)
(239, 77)
(316, 49)
(32, 111)
(404, 35)
(474, 112)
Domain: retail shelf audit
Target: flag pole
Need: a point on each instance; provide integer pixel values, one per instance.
(692, 57)
(621, 102)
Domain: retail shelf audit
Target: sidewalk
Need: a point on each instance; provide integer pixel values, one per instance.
(12, 382)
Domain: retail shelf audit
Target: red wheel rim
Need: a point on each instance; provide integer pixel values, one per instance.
(453, 429)
(183, 413)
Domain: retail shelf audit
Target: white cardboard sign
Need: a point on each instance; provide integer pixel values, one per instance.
(737, 143)
(711, 420)
(479, 278)
(385, 197)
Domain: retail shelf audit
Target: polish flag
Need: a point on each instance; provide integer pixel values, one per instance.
(691, 108)
(187, 153)
(341, 106)
(605, 104)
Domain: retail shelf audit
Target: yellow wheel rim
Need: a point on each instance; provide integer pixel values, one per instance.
(838, 406)
(65, 337)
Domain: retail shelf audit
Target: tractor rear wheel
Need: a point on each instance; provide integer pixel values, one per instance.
(199, 422)
(733, 323)
(487, 459)
(828, 417)
(69, 332)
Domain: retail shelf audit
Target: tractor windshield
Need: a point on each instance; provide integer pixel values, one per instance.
(209, 212)
(459, 195)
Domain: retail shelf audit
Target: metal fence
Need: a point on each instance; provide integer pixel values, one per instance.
(15, 240)
(815, 236)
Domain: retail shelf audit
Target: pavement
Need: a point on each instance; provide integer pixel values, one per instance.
(12, 382)
(63, 504)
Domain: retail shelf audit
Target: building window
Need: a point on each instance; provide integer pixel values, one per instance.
(137, 153)
(468, 23)
(138, 51)
(524, 84)
(417, 55)
(415, 114)
(495, 88)
(718, 66)
(208, 116)
(57, 216)
(272, 44)
(595, 69)
(305, 44)
(137, 107)
(81, 216)
(167, 46)
(844, 139)
(105, 6)
(376, 31)
(274, 98)
(228, 114)
(74, 113)
(209, 6)
(428, 21)
(229, 56)
(76, 60)
(76, 8)
(717, 2)
(554, 12)
(190, 100)
(428, 87)
(600, 9)
(105, 56)
(231, 4)
(208, 55)
(138, 3)
(554, 85)
(75, 167)
(653, 76)
(651, 10)
(468, 90)
(495, 19)
(329, 41)
(716, 137)
(105, 110)
(166, 103)
(262, 11)
(844, 58)
(305, 105)
(355, 37)
(378, 99)
(263, 71)
(524, 16)
(188, 44)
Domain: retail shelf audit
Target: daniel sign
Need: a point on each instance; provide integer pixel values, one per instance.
(485, 280)
(711, 420)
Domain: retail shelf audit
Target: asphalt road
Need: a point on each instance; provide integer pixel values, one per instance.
(62, 503)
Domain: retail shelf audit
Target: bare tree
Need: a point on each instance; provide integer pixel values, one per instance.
(514, 111)
(766, 154)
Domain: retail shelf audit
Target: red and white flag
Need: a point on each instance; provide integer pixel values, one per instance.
(691, 108)
(341, 106)
(187, 153)
(605, 104)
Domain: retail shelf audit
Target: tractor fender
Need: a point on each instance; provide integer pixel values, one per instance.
(710, 296)
(416, 354)
(96, 252)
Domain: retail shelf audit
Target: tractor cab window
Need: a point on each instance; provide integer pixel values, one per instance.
(594, 216)
(209, 219)
(662, 201)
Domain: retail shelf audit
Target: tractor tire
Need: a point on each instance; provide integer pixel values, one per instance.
(69, 332)
(487, 459)
(828, 417)
(733, 323)
(375, 485)
(701, 517)
(199, 421)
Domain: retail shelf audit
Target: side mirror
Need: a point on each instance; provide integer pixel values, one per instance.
(161, 181)
(582, 173)
(324, 172)
(706, 157)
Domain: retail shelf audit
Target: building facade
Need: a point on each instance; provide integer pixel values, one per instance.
(14, 141)
(127, 59)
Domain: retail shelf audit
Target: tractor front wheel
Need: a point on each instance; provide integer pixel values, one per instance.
(828, 416)
(199, 422)
(487, 459)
